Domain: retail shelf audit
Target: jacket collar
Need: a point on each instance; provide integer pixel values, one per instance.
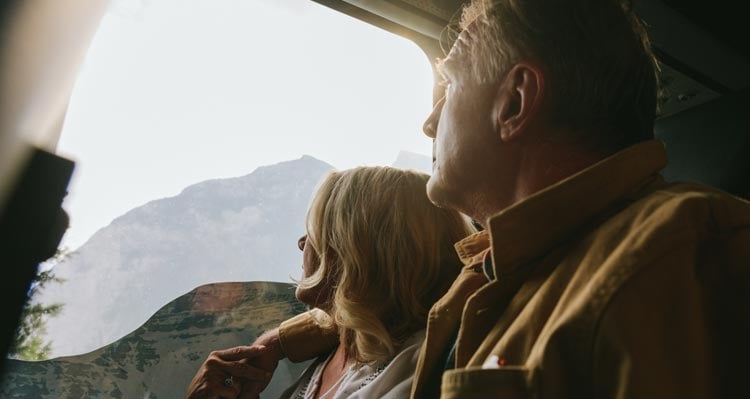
(524, 230)
(472, 248)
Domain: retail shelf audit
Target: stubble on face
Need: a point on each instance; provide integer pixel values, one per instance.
(447, 68)
(462, 131)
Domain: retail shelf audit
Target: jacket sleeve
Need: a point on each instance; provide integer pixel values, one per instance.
(302, 338)
(655, 338)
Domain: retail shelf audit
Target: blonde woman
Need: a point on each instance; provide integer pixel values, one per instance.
(376, 256)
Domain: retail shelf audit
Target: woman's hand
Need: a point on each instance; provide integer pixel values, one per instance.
(224, 372)
(267, 360)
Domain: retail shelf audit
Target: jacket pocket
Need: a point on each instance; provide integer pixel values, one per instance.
(511, 382)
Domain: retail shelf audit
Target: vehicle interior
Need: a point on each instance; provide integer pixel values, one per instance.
(703, 119)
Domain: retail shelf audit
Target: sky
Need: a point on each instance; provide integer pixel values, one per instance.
(175, 92)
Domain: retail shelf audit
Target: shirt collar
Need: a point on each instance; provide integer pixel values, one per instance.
(524, 230)
(472, 248)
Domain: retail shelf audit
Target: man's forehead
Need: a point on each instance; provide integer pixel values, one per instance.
(463, 44)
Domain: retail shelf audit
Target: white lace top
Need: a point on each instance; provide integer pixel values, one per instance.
(391, 379)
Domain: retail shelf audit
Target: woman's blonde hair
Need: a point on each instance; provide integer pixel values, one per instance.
(388, 252)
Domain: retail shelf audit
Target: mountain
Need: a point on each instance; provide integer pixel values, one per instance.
(411, 160)
(237, 229)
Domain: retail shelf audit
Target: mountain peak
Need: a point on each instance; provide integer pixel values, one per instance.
(412, 160)
(306, 157)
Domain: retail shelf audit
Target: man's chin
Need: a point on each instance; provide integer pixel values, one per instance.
(436, 193)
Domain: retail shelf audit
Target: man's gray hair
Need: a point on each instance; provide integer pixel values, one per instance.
(600, 71)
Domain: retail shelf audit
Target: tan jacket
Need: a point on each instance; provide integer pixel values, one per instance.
(609, 284)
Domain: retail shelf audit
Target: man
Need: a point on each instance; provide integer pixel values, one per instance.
(594, 277)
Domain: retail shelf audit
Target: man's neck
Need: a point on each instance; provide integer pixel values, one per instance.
(537, 170)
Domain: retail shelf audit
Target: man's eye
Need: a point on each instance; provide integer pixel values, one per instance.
(445, 84)
(447, 87)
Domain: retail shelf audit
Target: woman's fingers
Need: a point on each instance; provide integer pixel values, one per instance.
(238, 369)
(210, 383)
(241, 352)
(213, 379)
(221, 388)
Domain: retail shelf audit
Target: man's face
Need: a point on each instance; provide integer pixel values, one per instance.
(462, 128)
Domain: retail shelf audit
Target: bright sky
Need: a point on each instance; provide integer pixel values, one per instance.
(174, 92)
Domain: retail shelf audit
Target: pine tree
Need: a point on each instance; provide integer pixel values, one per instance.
(29, 342)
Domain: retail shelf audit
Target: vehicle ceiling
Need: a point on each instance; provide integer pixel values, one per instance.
(702, 47)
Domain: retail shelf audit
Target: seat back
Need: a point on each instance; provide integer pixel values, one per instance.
(710, 144)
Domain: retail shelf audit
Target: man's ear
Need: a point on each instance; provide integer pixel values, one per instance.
(518, 100)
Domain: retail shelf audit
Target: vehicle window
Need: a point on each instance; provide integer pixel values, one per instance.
(200, 128)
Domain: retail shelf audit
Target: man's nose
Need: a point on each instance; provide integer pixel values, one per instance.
(431, 124)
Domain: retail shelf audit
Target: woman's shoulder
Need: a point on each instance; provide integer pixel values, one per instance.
(386, 379)
(409, 352)
(306, 380)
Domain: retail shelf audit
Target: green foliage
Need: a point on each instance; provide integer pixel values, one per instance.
(29, 342)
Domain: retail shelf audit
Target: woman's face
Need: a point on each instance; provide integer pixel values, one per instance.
(310, 260)
(315, 296)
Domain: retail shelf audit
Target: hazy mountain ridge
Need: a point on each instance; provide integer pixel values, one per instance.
(411, 160)
(233, 229)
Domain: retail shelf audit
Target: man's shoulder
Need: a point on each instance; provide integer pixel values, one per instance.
(670, 208)
(660, 245)
(670, 225)
(691, 191)
(664, 216)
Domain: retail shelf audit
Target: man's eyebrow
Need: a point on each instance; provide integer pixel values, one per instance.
(446, 68)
